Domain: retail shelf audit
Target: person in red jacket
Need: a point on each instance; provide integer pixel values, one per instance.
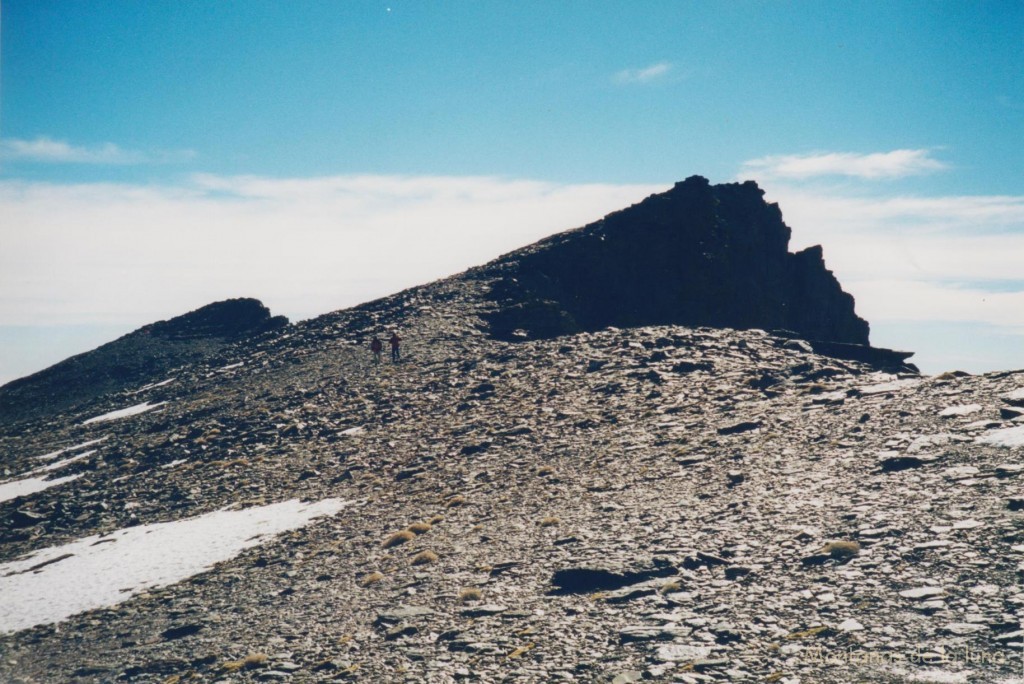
(395, 341)
(376, 346)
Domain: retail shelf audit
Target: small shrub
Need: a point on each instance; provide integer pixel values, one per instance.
(470, 594)
(549, 522)
(250, 661)
(544, 471)
(671, 587)
(419, 527)
(436, 519)
(398, 538)
(372, 578)
(455, 501)
(424, 558)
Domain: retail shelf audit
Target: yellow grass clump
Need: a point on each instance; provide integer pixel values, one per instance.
(371, 578)
(398, 538)
(470, 594)
(424, 558)
(249, 661)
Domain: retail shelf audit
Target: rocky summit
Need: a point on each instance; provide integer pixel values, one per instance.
(645, 495)
(151, 350)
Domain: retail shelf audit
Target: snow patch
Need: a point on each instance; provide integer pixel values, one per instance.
(54, 454)
(125, 412)
(95, 572)
(1015, 395)
(30, 485)
(175, 462)
(1010, 438)
(960, 410)
(886, 387)
(153, 385)
(67, 461)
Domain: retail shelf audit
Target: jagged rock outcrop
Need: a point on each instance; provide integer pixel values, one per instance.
(147, 352)
(699, 254)
(230, 319)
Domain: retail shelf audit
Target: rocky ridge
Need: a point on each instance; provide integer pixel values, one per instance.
(149, 351)
(663, 503)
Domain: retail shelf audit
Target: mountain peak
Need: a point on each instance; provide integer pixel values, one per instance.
(697, 255)
(151, 350)
(228, 319)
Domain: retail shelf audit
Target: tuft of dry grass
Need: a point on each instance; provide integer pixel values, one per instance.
(841, 549)
(671, 587)
(544, 471)
(436, 519)
(424, 558)
(806, 633)
(250, 661)
(455, 501)
(470, 594)
(549, 522)
(419, 527)
(521, 650)
(398, 538)
(372, 578)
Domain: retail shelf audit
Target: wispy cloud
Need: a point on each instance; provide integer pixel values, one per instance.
(116, 253)
(945, 258)
(644, 75)
(48, 150)
(894, 164)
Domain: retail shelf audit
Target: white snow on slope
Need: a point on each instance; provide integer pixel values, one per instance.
(94, 572)
(153, 385)
(30, 485)
(54, 454)
(1007, 437)
(125, 412)
(60, 464)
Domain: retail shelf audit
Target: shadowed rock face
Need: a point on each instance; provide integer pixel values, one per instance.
(137, 357)
(230, 319)
(695, 255)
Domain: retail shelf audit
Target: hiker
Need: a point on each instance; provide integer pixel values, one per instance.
(376, 346)
(395, 341)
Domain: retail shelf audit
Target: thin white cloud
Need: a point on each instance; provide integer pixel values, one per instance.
(643, 75)
(877, 165)
(116, 253)
(953, 258)
(48, 150)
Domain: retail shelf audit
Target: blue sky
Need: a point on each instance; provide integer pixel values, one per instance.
(158, 155)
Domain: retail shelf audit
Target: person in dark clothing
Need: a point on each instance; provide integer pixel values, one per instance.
(395, 341)
(376, 346)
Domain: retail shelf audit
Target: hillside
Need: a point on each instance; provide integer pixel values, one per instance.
(663, 502)
(152, 350)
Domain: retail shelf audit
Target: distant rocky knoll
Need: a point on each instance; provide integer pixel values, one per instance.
(148, 352)
(699, 254)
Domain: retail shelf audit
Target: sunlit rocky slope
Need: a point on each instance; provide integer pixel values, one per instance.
(531, 495)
